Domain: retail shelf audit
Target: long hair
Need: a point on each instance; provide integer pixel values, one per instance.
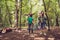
(42, 13)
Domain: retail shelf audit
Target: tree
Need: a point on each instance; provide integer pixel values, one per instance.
(8, 13)
(45, 9)
(1, 24)
(20, 12)
(16, 13)
(59, 3)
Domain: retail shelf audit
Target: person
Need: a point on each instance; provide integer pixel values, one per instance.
(42, 20)
(30, 23)
(43, 23)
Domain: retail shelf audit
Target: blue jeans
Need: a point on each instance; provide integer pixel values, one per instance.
(43, 25)
(30, 28)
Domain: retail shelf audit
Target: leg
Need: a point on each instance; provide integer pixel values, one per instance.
(44, 25)
(41, 25)
(32, 28)
(29, 27)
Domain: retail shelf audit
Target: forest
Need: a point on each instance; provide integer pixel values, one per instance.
(13, 13)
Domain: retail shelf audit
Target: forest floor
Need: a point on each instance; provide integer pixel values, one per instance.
(53, 34)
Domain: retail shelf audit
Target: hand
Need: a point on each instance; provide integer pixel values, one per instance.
(33, 22)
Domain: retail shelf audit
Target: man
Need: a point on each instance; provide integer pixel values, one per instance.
(30, 23)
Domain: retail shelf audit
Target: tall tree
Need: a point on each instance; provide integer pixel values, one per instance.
(0, 17)
(16, 13)
(8, 13)
(59, 3)
(57, 22)
(20, 12)
(45, 9)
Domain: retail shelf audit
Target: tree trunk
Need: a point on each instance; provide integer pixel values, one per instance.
(0, 18)
(20, 12)
(8, 13)
(30, 8)
(56, 14)
(16, 13)
(59, 3)
(45, 9)
(0, 15)
(57, 24)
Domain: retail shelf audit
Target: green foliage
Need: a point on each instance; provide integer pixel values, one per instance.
(37, 5)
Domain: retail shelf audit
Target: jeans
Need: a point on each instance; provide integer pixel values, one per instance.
(30, 27)
(43, 25)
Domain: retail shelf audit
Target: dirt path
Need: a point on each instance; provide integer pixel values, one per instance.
(37, 35)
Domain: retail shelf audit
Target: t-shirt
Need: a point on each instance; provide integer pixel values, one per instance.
(30, 19)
